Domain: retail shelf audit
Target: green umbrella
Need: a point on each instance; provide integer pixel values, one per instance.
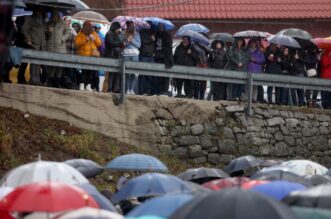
(311, 213)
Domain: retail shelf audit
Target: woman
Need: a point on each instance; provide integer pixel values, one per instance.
(218, 59)
(299, 69)
(326, 74)
(287, 69)
(312, 72)
(87, 43)
(132, 43)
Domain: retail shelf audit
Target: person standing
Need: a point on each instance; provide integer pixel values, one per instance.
(299, 70)
(312, 72)
(132, 43)
(87, 43)
(326, 74)
(34, 33)
(57, 33)
(287, 69)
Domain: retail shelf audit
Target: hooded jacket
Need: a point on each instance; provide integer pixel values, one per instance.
(182, 58)
(85, 46)
(238, 55)
(147, 43)
(56, 39)
(34, 31)
(217, 58)
(113, 42)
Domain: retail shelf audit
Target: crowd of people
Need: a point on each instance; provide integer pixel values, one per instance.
(155, 45)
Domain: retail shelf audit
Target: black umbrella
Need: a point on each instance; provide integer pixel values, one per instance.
(307, 44)
(317, 197)
(295, 33)
(242, 163)
(250, 34)
(234, 204)
(317, 180)
(60, 4)
(202, 175)
(225, 37)
(88, 168)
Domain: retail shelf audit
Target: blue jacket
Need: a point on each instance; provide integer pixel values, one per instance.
(131, 49)
(256, 66)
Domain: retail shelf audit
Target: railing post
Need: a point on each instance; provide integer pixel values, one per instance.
(250, 94)
(290, 100)
(122, 98)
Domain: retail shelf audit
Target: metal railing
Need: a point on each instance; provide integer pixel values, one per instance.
(182, 72)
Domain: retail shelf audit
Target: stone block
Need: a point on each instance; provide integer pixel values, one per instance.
(265, 150)
(187, 140)
(206, 141)
(279, 136)
(194, 151)
(253, 129)
(284, 114)
(197, 129)
(214, 158)
(289, 140)
(239, 130)
(274, 112)
(180, 152)
(200, 160)
(323, 118)
(227, 146)
(213, 149)
(292, 122)
(256, 141)
(226, 158)
(219, 121)
(275, 121)
(280, 149)
(228, 133)
(324, 130)
(165, 149)
(211, 128)
(163, 114)
(235, 108)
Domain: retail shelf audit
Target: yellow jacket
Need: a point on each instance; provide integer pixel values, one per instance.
(86, 46)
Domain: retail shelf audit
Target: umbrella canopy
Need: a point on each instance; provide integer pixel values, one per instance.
(61, 4)
(242, 163)
(47, 197)
(5, 191)
(90, 213)
(202, 174)
(168, 25)
(19, 3)
(152, 184)
(101, 200)
(250, 34)
(252, 183)
(199, 28)
(284, 40)
(139, 23)
(195, 37)
(296, 33)
(42, 171)
(91, 16)
(307, 44)
(279, 174)
(225, 183)
(137, 162)
(88, 168)
(5, 215)
(270, 163)
(163, 206)
(316, 197)
(234, 204)
(311, 213)
(18, 12)
(41, 215)
(225, 37)
(316, 180)
(305, 167)
(322, 43)
(278, 189)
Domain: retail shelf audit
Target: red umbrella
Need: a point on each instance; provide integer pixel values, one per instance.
(253, 183)
(322, 43)
(225, 183)
(5, 215)
(46, 197)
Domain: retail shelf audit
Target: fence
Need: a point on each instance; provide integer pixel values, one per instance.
(183, 72)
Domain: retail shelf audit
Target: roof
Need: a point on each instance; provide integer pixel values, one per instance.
(230, 9)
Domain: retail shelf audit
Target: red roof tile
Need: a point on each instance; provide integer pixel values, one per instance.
(230, 9)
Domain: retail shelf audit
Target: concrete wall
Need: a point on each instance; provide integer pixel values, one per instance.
(213, 132)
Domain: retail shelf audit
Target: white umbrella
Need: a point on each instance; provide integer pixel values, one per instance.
(41, 215)
(5, 191)
(91, 213)
(42, 171)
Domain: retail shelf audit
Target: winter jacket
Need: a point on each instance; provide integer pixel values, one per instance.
(147, 43)
(131, 49)
(311, 60)
(273, 66)
(163, 48)
(113, 45)
(56, 39)
(85, 46)
(238, 55)
(326, 65)
(256, 61)
(286, 65)
(217, 59)
(34, 31)
(299, 65)
(182, 58)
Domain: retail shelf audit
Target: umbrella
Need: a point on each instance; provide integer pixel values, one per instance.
(311, 213)
(199, 28)
(5, 191)
(322, 43)
(91, 16)
(101, 200)
(168, 25)
(226, 37)
(61, 4)
(18, 12)
(88, 168)
(139, 23)
(47, 197)
(5, 215)
(202, 175)
(316, 197)
(225, 183)
(295, 33)
(305, 167)
(195, 37)
(250, 34)
(270, 163)
(90, 213)
(242, 163)
(42, 171)
(137, 162)
(252, 183)
(307, 44)
(278, 189)
(316, 180)
(284, 40)
(42, 215)
(234, 204)
(279, 174)
(152, 184)
(163, 206)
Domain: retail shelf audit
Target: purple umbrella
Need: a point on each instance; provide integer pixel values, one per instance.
(139, 23)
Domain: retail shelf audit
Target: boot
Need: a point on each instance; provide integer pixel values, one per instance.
(88, 87)
(81, 86)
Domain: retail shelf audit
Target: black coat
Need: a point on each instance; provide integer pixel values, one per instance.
(113, 45)
(286, 65)
(299, 65)
(236, 56)
(147, 43)
(273, 66)
(218, 59)
(182, 58)
(163, 52)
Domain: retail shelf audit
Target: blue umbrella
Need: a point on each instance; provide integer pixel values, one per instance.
(196, 37)
(18, 12)
(102, 201)
(163, 206)
(152, 184)
(137, 162)
(278, 189)
(156, 21)
(192, 27)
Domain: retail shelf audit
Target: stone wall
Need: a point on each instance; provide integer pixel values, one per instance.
(204, 131)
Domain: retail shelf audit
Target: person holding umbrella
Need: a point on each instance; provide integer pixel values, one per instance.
(299, 60)
(326, 74)
(287, 69)
(132, 43)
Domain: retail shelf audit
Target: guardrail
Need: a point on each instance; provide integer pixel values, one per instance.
(183, 72)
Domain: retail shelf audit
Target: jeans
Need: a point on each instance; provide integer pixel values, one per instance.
(199, 89)
(161, 82)
(260, 93)
(130, 79)
(237, 90)
(87, 76)
(145, 82)
(219, 91)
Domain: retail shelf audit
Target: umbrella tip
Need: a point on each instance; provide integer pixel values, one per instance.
(39, 157)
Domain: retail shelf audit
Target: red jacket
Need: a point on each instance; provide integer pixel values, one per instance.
(326, 65)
